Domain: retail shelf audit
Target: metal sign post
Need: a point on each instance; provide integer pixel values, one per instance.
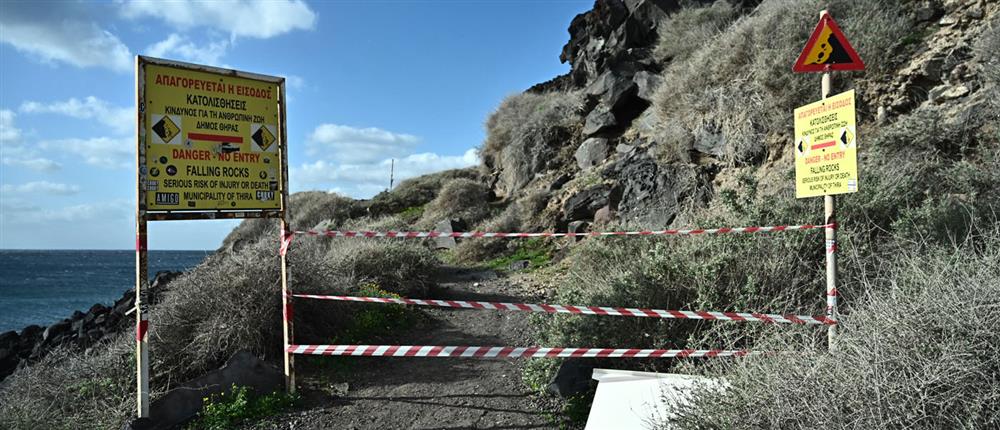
(826, 141)
(211, 143)
(830, 217)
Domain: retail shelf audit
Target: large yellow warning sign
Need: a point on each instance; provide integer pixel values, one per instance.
(826, 147)
(211, 140)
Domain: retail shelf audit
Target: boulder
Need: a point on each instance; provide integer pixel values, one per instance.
(651, 193)
(125, 304)
(95, 311)
(183, 402)
(591, 152)
(604, 216)
(55, 330)
(9, 339)
(647, 83)
(572, 378)
(518, 265)
(559, 182)
(624, 148)
(30, 332)
(577, 227)
(599, 119)
(450, 225)
(582, 205)
(613, 90)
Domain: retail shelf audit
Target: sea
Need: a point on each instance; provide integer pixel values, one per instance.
(45, 286)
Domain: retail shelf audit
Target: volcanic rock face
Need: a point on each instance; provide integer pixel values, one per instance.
(615, 36)
(609, 53)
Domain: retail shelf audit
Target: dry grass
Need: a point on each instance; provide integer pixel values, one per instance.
(728, 97)
(691, 28)
(464, 199)
(526, 133)
(919, 351)
(416, 192)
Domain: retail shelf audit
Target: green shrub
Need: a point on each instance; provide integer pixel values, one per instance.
(375, 320)
(221, 412)
(525, 134)
(538, 252)
(919, 350)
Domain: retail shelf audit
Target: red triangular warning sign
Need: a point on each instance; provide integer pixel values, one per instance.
(827, 49)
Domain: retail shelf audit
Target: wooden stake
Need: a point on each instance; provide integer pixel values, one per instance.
(141, 319)
(830, 215)
(141, 260)
(286, 294)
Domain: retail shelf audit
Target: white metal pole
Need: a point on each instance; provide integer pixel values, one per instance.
(830, 216)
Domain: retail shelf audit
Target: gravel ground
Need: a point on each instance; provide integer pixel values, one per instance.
(430, 393)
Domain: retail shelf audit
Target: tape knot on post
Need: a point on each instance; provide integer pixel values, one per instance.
(286, 241)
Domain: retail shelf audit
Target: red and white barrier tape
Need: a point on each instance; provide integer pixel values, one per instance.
(505, 351)
(479, 234)
(587, 310)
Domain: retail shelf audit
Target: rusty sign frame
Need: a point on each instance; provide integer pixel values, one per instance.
(200, 214)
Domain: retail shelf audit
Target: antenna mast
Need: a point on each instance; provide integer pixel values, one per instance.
(392, 169)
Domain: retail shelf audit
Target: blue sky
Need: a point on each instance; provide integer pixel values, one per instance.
(367, 81)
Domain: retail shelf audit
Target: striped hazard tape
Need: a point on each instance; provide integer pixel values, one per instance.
(480, 234)
(506, 351)
(587, 310)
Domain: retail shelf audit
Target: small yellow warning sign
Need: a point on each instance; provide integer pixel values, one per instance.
(166, 129)
(263, 137)
(826, 160)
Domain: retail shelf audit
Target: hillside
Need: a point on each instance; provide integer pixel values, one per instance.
(671, 117)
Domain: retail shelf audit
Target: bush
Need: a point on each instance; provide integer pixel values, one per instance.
(415, 192)
(67, 388)
(707, 273)
(920, 350)
(399, 266)
(460, 198)
(526, 133)
(727, 98)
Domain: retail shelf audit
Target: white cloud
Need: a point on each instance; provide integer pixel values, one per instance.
(181, 48)
(358, 145)
(8, 131)
(121, 120)
(366, 179)
(18, 211)
(41, 187)
(260, 19)
(106, 152)
(37, 163)
(12, 149)
(55, 33)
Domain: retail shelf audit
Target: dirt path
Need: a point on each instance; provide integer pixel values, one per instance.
(432, 393)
